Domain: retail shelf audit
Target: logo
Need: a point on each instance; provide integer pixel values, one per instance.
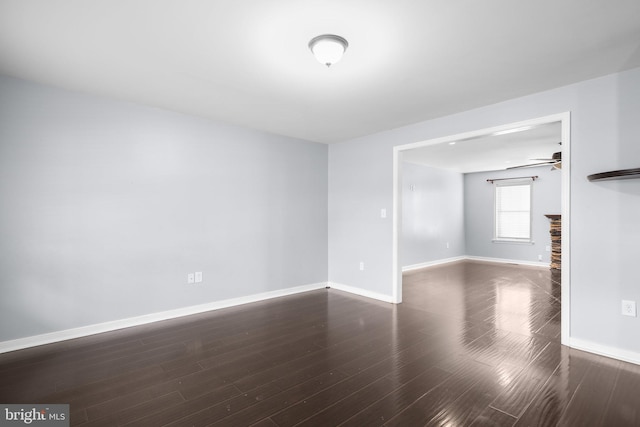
(37, 415)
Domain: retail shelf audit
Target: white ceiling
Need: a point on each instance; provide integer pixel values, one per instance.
(247, 62)
(491, 152)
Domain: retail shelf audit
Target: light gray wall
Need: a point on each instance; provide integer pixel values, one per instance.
(479, 216)
(605, 229)
(358, 190)
(432, 214)
(106, 206)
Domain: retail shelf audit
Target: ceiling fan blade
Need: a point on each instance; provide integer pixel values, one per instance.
(532, 165)
(556, 157)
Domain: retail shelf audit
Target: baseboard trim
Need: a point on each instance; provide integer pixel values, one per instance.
(472, 258)
(509, 261)
(432, 263)
(603, 350)
(37, 340)
(361, 292)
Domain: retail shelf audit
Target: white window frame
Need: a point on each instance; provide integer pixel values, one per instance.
(511, 239)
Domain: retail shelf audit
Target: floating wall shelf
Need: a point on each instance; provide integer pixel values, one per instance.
(621, 174)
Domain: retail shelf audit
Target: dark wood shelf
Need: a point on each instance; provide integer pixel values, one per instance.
(621, 174)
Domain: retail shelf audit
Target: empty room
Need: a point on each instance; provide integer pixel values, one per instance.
(339, 213)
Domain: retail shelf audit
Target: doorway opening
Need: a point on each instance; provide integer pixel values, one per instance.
(473, 141)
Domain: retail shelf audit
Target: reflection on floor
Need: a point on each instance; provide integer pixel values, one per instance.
(489, 297)
(500, 326)
(473, 344)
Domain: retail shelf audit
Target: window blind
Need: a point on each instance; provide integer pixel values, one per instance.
(513, 211)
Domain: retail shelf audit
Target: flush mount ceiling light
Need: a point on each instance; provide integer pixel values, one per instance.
(328, 48)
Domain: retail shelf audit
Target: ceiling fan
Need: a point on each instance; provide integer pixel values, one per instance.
(555, 161)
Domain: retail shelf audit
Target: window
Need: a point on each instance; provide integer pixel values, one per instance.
(513, 211)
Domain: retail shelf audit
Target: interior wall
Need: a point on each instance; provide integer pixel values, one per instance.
(106, 206)
(357, 194)
(604, 225)
(432, 214)
(479, 214)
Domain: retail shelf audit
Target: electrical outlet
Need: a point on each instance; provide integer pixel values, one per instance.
(191, 278)
(361, 265)
(198, 276)
(547, 248)
(383, 213)
(539, 257)
(628, 308)
(447, 245)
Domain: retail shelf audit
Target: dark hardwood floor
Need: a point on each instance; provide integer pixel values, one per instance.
(473, 344)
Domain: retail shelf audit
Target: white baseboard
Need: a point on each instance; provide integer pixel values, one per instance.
(361, 292)
(84, 331)
(432, 263)
(473, 258)
(603, 350)
(37, 340)
(508, 261)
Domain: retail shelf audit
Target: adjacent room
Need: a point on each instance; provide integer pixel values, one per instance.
(332, 213)
(494, 198)
(450, 197)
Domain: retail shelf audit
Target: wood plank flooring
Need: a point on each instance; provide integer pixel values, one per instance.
(472, 344)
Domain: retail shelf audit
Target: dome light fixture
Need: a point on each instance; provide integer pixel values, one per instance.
(328, 48)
